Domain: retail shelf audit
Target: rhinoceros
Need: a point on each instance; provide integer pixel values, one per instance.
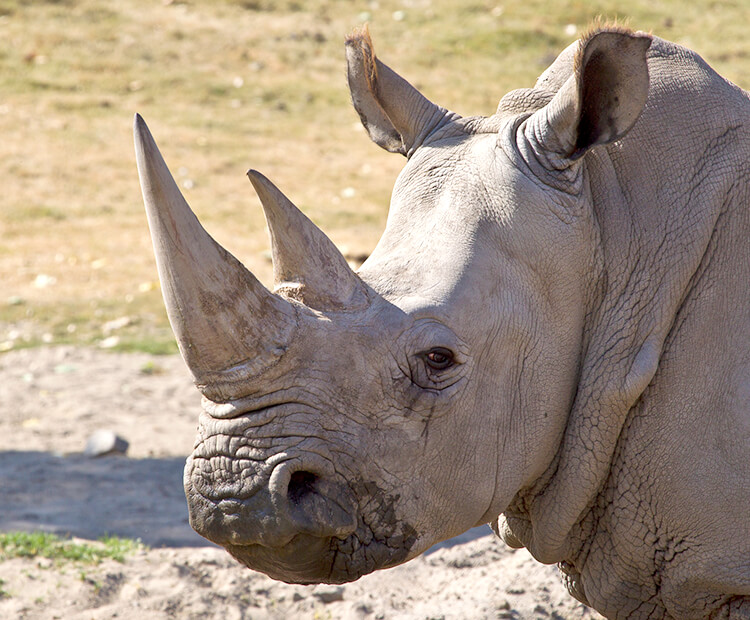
(552, 335)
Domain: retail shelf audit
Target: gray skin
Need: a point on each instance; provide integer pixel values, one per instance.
(554, 328)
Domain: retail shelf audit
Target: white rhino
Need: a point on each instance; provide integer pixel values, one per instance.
(554, 328)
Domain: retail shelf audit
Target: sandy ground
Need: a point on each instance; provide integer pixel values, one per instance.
(53, 399)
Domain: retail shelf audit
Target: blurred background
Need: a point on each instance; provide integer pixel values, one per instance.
(227, 85)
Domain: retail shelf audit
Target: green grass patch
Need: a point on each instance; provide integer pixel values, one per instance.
(53, 547)
(166, 345)
(35, 212)
(145, 330)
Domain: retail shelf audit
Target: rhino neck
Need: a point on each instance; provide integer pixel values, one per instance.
(656, 200)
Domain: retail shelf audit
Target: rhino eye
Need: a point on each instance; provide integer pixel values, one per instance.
(439, 358)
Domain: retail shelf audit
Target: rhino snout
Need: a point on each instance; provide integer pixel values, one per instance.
(297, 499)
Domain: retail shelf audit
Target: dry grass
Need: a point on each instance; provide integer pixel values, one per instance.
(229, 85)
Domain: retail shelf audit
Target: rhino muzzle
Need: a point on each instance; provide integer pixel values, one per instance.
(291, 499)
(285, 510)
(290, 524)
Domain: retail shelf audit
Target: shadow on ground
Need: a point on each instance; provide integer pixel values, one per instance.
(89, 498)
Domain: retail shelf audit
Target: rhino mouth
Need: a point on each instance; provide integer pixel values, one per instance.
(305, 559)
(308, 559)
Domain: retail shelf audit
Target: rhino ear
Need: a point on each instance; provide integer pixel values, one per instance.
(599, 103)
(395, 114)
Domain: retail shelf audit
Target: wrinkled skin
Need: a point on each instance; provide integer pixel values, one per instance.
(380, 396)
(554, 328)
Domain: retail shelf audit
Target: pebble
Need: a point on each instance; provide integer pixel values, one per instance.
(329, 594)
(103, 442)
(357, 611)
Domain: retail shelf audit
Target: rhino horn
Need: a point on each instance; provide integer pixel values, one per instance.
(228, 326)
(306, 263)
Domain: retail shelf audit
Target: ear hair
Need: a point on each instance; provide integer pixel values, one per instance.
(362, 73)
(395, 114)
(361, 39)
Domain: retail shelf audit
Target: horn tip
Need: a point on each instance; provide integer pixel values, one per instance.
(143, 138)
(255, 176)
(139, 124)
(260, 182)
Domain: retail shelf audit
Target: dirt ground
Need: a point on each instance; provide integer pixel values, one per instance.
(54, 398)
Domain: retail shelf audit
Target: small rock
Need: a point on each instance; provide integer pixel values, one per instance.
(329, 594)
(515, 591)
(42, 280)
(104, 442)
(109, 342)
(541, 610)
(115, 324)
(358, 611)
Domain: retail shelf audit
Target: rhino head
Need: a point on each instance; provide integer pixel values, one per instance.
(352, 420)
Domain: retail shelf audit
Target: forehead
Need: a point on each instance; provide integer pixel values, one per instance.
(443, 207)
(450, 161)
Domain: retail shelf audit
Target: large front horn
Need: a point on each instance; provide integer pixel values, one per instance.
(229, 327)
(306, 263)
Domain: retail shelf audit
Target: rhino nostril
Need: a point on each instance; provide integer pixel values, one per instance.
(301, 484)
